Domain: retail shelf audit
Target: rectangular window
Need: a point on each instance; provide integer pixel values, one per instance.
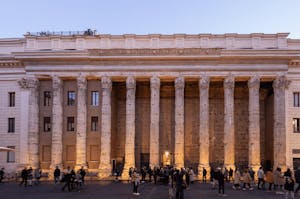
(70, 124)
(296, 99)
(11, 154)
(296, 125)
(94, 123)
(71, 98)
(11, 125)
(95, 98)
(47, 98)
(11, 96)
(47, 124)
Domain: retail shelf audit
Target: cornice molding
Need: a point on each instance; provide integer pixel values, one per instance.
(11, 63)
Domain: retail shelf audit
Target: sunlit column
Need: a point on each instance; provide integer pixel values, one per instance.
(204, 125)
(130, 126)
(81, 122)
(229, 142)
(179, 122)
(105, 167)
(154, 123)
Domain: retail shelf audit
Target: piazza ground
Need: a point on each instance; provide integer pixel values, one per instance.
(119, 190)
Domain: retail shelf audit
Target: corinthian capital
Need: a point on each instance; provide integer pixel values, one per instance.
(106, 82)
(155, 82)
(130, 82)
(204, 82)
(81, 82)
(281, 82)
(28, 83)
(229, 82)
(179, 82)
(254, 82)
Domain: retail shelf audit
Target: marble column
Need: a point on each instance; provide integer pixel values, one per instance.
(279, 131)
(32, 84)
(57, 123)
(154, 123)
(105, 167)
(179, 123)
(204, 126)
(81, 122)
(130, 126)
(229, 142)
(254, 123)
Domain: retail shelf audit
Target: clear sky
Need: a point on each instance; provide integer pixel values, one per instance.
(150, 16)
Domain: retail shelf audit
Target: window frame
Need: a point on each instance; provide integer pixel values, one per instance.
(71, 124)
(11, 125)
(47, 98)
(95, 98)
(296, 125)
(47, 126)
(9, 153)
(11, 99)
(71, 98)
(94, 123)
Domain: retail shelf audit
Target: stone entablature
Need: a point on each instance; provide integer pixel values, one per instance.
(130, 41)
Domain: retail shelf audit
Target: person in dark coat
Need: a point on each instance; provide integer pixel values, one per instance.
(180, 185)
(204, 173)
(82, 173)
(1, 174)
(297, 178)
(24, 176)
(155, 174)
(67, 179)
(150, 172)
(220, 175)
(187, 178)
(56, 175)
(289, 187)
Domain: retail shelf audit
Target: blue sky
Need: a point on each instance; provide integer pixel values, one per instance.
(150, 16)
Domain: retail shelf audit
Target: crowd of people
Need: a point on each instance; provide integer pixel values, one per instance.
(287, 182)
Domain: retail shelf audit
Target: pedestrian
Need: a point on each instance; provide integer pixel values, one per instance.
(30, 176)
(1, 174)
(221, 180)
(79, 180)
(246, 180)
(56, 175)
(24, 175)
(144, 173)
(260, 175)
(37, 175)
(237, 179)
(187, 178)
(297, 178)
(156, 173)
(180, 184)
(230, 174)
(204, 173)
(289, 187)
(150, 173)
(135, 181)
(279, 181)
(270, 178)
(67, 179)
(252, 173)
(192, 175)
(83, 173)
(212, 171)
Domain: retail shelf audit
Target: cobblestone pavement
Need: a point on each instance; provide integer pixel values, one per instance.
(119, 190)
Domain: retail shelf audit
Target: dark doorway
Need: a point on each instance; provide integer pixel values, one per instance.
(145, 159)
(296, 163)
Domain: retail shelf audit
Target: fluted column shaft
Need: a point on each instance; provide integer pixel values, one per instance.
(81, 122)
(130, 126)
(279, 85)
(154, 123)
(254, 123)
(57, 123)
(179, 122)
(105, 166)
(229, 142)
(204, 125)
(32, 84)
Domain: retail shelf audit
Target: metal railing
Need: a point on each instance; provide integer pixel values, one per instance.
(88, 32)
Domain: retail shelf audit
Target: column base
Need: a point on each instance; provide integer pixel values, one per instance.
(200, 170)
(104, 171)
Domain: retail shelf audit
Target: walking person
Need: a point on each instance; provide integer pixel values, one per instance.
(289, 187)
(192, 175)
(297, 178)
(1, 174)
(83, 173)
(187, 178)
(30, 176)
(24, 175)
(246, 180)
(237, 179)
(180, 184)
(135, 182)
(221, 180)
(67, 179)
(230, 174)
(204, 173)
(260, 175)
(37, 176)
(56, 175)
(270, 178)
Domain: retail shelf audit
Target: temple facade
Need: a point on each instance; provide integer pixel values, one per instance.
(110, 102)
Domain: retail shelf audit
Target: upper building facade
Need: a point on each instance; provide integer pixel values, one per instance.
(121, 101)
